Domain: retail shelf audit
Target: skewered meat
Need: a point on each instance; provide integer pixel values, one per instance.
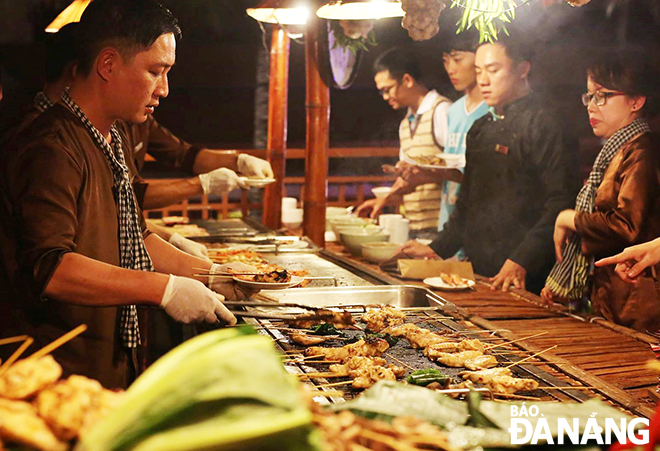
(303, 339)
(500, 380)
(457, 359)
(481, 362)
(339, 319)
(417, 336)
(73, 404)
(19, 423)
(26, 377)
(455, 346)
(366, 371)
(370, 347)
(386, 316)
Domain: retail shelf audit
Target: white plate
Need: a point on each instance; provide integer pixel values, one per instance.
(257, 183)
(452, 161)
(295, 280)
(437, 282)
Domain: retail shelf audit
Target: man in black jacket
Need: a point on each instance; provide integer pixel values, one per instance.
(521, 172)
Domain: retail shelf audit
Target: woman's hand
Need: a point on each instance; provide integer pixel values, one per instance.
(416, 249)
(564, 228)
(634, 260)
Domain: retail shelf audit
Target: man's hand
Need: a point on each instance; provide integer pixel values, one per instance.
(254, 167)
(226, 286)
(564, 228)
(189, 246)
(221, 181)
(511, 273)
(371, 208)
(188, 301)
(549, 297)
(416, 249)
(634, 260)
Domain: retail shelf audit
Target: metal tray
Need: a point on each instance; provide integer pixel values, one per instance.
(222, 228)
(399, 295)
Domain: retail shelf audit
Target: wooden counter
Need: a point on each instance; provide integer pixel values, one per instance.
(592, 350)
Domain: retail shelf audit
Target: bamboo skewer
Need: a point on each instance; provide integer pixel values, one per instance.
(334, 384)
(16, 339)
(400, 362)
(530, 357)
(516, 341)
(10, 361)
(320, 375)
(510, 395)
(327, 393)
(570, 387)
(59, 342)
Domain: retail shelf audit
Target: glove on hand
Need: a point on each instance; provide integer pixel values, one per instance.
(254, 167)
(227, 286)
(188, 300)
(189, 246)
(221, 181)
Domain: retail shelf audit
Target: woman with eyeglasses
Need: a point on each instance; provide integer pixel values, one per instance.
(619, 206)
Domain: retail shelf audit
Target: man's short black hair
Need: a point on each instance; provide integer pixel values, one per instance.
(61, 50)
(131, 26)
(518, 50)
(465, 41)
(399, 61)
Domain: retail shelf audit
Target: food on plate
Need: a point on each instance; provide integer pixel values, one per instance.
(254, 259)
(453, 280)
(26, 377)
(430, 160)
(301, 338)
(20, 424)
(366, 371)
(72, 406)
(378, 319)
(175, 220)
(500, 380)
(276, 276)
(369, 347)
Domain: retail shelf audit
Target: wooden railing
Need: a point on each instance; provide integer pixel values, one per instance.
(343, 190)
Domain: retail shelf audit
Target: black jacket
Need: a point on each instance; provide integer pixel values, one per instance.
(521, 171)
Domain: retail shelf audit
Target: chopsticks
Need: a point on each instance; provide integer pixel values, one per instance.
(209, 273)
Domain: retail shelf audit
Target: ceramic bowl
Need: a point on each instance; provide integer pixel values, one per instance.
(381, 191)
(379, 252)
(353, 241)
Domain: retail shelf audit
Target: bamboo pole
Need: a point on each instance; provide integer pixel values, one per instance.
(318, 118)
(277, 125)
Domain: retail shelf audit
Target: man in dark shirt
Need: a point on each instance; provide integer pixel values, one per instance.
(521, 172)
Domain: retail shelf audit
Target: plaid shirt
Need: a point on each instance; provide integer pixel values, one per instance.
(132, 250)
(42, 102)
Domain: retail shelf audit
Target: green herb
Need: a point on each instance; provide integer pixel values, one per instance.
(489, 17)
(326, 329)
(343, 41)
(428, 376)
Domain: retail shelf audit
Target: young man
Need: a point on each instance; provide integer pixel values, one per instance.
(458, 58)
(422, 132)
(75, 249)
(521, 172)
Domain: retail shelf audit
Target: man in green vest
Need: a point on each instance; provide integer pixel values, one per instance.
(422, 132)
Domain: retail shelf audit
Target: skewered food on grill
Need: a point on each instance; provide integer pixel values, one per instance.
(417, 336)
(481, 362)
(304, 339)
(457, 359)
(366, 371)
(369, 347)
(19, 423)
(74, 405)
(380, 318)
(454, 346)
(26, 377)
(427, 377)
(339, 319)
(500, 380)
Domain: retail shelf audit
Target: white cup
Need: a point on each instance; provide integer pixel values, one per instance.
(289, 203)
(399, 229)
(292, 217)
(384, 220)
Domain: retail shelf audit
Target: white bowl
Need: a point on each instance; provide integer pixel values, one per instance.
(381, 191)
(353, 241)
(379, 252)
(292, 217)
(348, 221)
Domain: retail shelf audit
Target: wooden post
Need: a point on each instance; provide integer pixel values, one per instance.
(316, 154)
(277, 123)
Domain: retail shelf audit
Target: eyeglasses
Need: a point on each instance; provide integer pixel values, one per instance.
(599, 96)
(387, 90)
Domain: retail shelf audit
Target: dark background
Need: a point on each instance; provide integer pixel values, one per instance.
(213, 85)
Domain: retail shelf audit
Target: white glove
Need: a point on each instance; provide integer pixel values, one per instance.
(189, 246)
(254, 167)
(226, 286)
(221, 181)
(188, 300)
